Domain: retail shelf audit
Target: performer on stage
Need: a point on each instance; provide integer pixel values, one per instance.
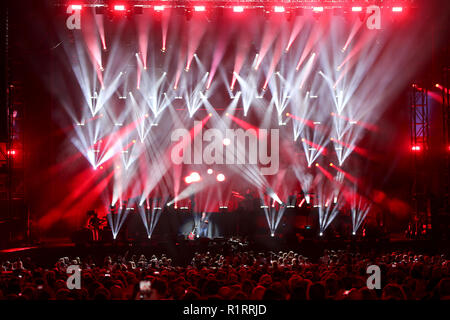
(94, 224)
(203, 227)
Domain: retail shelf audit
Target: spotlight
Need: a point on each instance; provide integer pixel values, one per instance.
(119, 7)
(321, 233)
(331, 164)
(158, 8)
(416, 148)
(76, 6)
(317, 164)
(220, 177)
(238, 9)
(195, 177)
(278, 9)
(357, 9)
(209, 171)
(354, 233)
(272, 234)
(397, 9)
(318, 9)
(199, 8)
(188, 179)
(226, 142)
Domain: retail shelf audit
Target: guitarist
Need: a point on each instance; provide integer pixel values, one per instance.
(94, 224)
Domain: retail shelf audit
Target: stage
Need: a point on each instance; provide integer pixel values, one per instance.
(297, 121)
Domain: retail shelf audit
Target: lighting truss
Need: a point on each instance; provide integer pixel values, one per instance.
(288, 5)
(419, 111)
(446, 131)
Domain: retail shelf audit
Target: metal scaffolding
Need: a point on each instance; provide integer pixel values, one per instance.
(13, 216)
(446, 137)
(420, 146)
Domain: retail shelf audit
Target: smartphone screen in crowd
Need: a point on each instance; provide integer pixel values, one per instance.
(145, 286)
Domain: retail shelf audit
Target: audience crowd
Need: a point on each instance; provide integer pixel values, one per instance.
(246, 275)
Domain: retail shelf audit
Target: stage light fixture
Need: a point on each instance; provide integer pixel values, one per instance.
(119, 7)
(416, 148)
(199, 8)
(220, 177)
(195, 177)
(356, 9)
(279, 9)
(226, 141)
(397, 9)
(158, 8)
(76, 7)
(209, 171)
(238, 9)
(317, 9)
